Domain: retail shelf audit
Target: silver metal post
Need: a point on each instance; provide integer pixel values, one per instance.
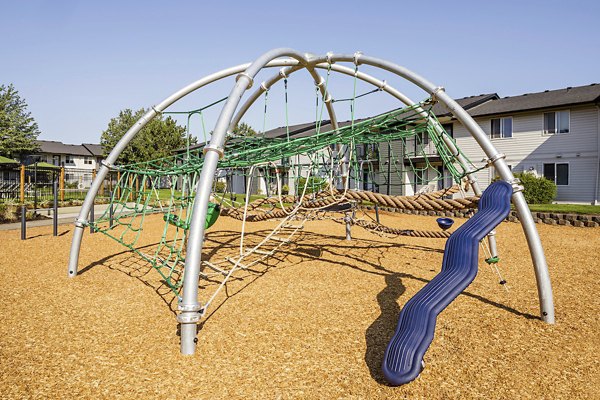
(189, 307)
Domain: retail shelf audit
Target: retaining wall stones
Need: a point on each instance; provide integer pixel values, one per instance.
(553, 218)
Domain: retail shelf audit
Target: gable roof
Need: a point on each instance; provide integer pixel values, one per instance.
(547, 99)
(476, 106)
(55, 147)
(466, 103)
(94, 149)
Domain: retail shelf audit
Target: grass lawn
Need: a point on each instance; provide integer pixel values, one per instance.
(565, 208)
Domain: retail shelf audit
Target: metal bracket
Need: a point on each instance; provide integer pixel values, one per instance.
(80, 223)
(321, 82)
(189, 307)
(250, 79)
(516, 185)
(383, 85)
(188, 318)
(436, 91)
(283, 74)
(264, 87)
(107, 165)
(329, 56)
(213, 147)
(492, 160)
(356, 57)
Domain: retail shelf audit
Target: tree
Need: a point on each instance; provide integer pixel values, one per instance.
(159, 138)
(243, 129)
(18, 129)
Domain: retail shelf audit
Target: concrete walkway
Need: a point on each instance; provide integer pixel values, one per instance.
(66, 215)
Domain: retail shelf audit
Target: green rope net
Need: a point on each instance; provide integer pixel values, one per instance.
(374, 152)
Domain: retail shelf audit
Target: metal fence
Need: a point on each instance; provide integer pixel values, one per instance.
(34, 183)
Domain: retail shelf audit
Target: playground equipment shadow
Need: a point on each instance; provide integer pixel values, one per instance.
(312, 323)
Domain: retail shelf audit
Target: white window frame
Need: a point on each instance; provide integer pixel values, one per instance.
(502, 133)
(87, 160)
(555, 112)
(556, 169)
(69, 159)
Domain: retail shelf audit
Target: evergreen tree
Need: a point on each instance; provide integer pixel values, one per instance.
(18, 129)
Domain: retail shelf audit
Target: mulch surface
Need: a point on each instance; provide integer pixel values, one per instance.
(312, 322)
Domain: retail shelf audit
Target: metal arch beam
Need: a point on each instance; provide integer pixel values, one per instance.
(536, 249)
(129, 135)
(190, 309)
(215, 148)
(382, 85)
(189, 306)
(267, 84)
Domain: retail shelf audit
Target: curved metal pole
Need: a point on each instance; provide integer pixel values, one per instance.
(129, 135)
(189, 306)
(544, 287)
(285, 72)
(382, 85)
(533, 239)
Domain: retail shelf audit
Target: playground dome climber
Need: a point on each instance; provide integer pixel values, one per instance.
(288, 179)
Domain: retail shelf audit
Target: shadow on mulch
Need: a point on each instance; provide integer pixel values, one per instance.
(308, 246)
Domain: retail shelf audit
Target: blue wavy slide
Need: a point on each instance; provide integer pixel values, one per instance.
(403, 359)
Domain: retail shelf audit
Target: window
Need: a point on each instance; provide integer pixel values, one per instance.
(87, 160)
(420, 177)
(557, 122)
(449, 128)
(501, 127)
(69, 159)
(56, 160)
(557, 173)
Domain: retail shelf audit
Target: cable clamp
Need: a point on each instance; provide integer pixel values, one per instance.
(245, 75)
(383, 85)
(213, 147)
(283, 74)
(356, 57)
(263, 86)
(107, 164)
(186, 318)
(492, 160)
(328, 99)
(189, 307)
(321, 82)
(158, 112)
(80, 223)
(329, 57)
(516, 185)
(436, 91)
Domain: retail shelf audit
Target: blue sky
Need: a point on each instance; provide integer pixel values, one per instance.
(77, 63)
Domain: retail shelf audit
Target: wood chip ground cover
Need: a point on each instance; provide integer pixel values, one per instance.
(311, 323)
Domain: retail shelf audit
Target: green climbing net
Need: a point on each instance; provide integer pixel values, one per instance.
(379, 150)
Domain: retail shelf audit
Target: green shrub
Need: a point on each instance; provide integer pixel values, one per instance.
(219, 187)
(537, 190)
(314, 184)
(285, 190)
